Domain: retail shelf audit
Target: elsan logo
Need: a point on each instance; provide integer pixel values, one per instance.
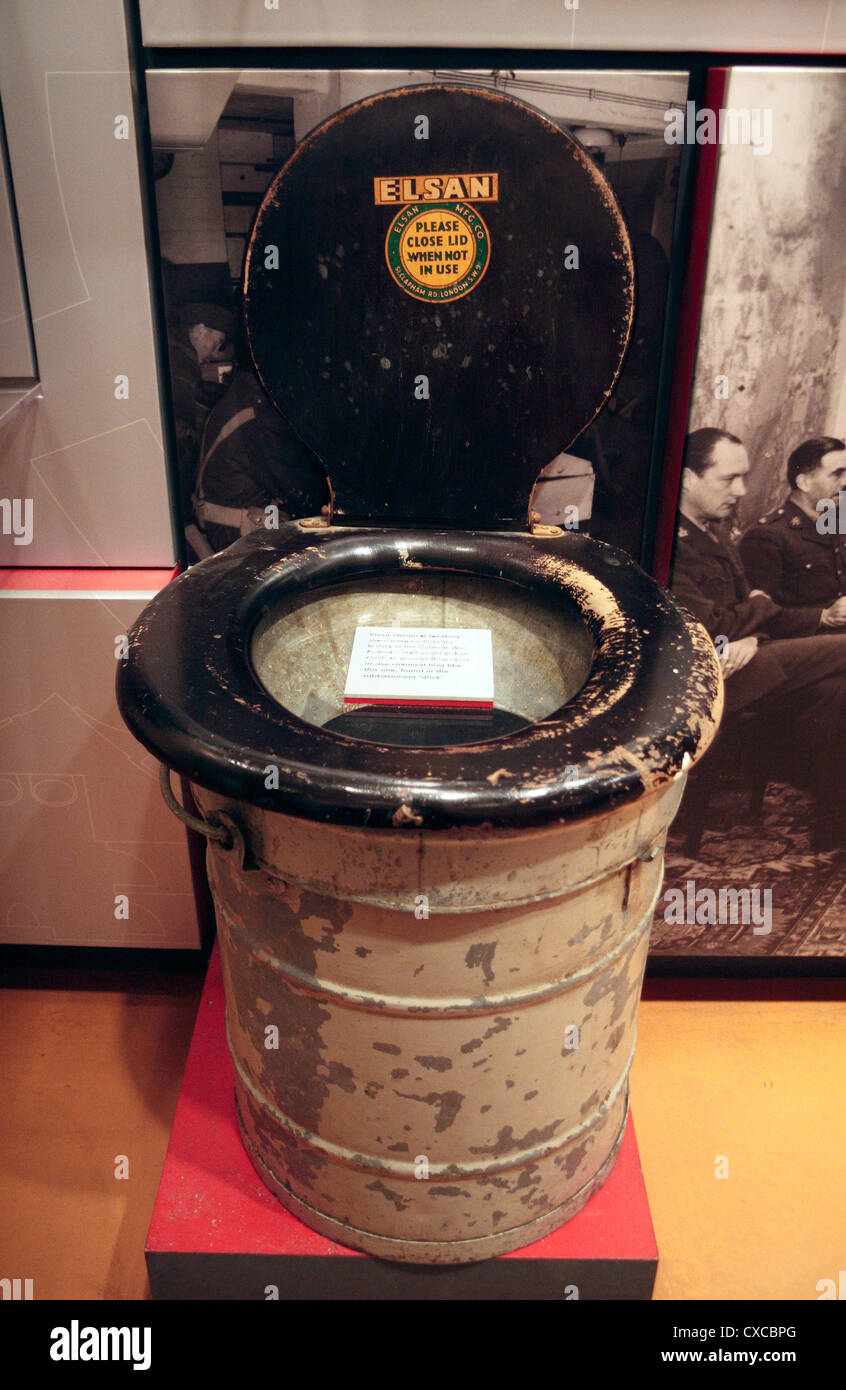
(436, 188)
(77, 1343)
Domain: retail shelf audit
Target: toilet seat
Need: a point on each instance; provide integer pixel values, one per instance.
(189, 694)
(434, 404)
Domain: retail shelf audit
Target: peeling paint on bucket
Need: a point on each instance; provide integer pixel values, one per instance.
(432, 1031)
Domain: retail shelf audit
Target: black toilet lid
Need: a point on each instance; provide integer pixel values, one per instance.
(438, 317)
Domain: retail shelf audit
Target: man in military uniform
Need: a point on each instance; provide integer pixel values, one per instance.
(769, 654)
(791, 552)
(251, 460)
(198, 352)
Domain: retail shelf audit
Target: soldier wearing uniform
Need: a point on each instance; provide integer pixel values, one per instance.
(770, 655)
(197, 341)
(790, 552)
(251, 460)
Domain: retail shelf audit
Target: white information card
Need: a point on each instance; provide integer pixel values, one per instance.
(421, 666)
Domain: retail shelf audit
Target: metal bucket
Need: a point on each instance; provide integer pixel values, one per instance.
(432, 1031)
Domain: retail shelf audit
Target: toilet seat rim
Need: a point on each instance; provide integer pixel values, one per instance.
(517, 779)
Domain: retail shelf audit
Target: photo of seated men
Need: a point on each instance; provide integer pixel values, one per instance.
(797, 552)
(773, 600)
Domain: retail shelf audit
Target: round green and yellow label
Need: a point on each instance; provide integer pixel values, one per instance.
(437, 251)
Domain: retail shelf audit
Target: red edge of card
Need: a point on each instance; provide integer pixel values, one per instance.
(428, 704)
(211, 1201)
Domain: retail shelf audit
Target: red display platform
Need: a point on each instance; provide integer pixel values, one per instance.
(218, 1233)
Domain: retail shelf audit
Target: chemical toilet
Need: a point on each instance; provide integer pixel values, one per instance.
(433, 909)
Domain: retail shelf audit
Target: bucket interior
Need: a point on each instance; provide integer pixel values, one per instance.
(542, 654)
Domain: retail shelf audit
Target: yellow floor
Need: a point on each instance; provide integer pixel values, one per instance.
(759, 1081)
(91, 1075)
(88, 1075)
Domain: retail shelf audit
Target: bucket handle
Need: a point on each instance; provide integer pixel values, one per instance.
(212, 828)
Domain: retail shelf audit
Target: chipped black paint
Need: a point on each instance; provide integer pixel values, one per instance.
(481, 956)
(400, 1203)
(435, 1063)
(299, 1058)
(447, 1104)
(279, 1148)
(337, 1074)
(507, 1142)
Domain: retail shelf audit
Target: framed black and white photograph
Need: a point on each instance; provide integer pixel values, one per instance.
(756, 863)
(219, 137)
